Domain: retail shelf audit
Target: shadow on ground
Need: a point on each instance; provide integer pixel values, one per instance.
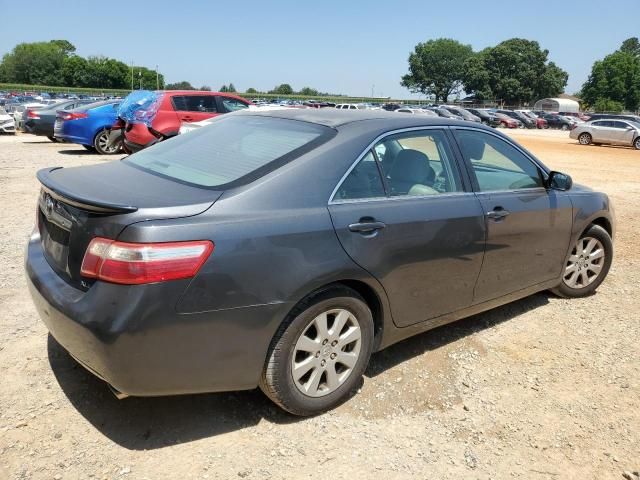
(150, 423)
(83, 151)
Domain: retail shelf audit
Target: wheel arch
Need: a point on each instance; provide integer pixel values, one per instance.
(601, 222)
(368, 293)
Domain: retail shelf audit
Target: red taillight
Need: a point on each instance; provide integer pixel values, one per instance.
(72, 115)
(33, 115)
(136, 263)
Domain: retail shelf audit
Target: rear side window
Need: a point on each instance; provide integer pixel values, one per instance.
(195, 103)
(363, 181)
(233, 149)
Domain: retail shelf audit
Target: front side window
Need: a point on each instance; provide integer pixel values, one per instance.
(232, 104)
(497, 164)
(418, 163)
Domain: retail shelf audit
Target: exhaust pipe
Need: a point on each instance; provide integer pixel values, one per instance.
(117, 393)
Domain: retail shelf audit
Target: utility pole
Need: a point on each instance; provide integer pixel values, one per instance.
(372, 89)
(157, 79)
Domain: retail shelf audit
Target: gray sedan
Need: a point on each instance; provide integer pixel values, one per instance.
(613, 132)
(281, 249)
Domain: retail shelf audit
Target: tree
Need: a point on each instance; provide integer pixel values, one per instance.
(514, 72)
(632, 46)
(615, 80)
(231, 88)
(75, 72)
(183, 85)
(308, 91)
(283, 89)
(205, 88)
(251, 90)
(437, 67)
(34, 63)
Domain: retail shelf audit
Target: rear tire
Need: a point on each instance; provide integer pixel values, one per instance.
(587, 265)
(100, 143)
(53, 139)
(91, 148)
(304, 372)
(564, 127)
(585, 139)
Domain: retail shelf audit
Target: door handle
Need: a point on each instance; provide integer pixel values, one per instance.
(366, 227)
(498, 213)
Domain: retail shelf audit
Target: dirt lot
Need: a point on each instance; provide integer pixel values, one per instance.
(543, 388)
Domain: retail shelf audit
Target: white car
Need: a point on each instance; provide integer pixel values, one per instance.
(351, 106)
(417, 111)
(7, 123)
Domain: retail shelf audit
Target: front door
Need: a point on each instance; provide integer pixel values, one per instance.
(418, 229)
(528, 226)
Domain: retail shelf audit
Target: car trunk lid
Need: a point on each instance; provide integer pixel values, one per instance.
(80, 203)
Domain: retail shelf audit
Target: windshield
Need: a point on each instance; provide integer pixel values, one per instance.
(231, 148)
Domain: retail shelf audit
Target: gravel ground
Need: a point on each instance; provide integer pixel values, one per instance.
(543, 388)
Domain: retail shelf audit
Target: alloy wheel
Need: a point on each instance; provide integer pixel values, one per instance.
(102, 142)
(326, 353)
(584, 139)
(637, 143)
(585, 263)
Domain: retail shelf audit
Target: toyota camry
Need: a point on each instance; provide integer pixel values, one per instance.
(281, 249)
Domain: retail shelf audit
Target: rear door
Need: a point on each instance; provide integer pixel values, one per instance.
(528, 227)
(406, 215)
(194, 108)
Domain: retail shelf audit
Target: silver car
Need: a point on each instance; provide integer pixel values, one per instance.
(614, 132)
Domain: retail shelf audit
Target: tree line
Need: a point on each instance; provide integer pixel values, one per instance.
(55, 63)
(282, 89)
(517, 72)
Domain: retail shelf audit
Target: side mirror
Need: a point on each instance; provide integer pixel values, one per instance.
(559, 181)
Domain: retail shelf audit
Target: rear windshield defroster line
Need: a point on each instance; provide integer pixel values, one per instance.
(234, 150)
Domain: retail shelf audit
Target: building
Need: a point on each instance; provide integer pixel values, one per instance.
(557, 105)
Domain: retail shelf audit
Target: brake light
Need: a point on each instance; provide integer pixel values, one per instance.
(137, 263)
(32, 115)
(72, 115)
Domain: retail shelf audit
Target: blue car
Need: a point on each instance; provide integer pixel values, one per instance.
(89, 126)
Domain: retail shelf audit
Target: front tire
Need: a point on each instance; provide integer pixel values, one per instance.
(585, 139)
(53, 139)
(587, 265)
(317, 357)
(636, 144)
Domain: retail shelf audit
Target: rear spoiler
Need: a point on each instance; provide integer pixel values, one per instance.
(58, 192)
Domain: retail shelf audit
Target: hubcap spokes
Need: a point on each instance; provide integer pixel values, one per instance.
(326, 353)
(585, 263)
(103, 141)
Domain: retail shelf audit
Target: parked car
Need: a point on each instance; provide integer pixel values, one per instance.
(613, 132)
(7, 123)
(351, 106)
(17, 111)
(443, 112)
(418, 111)
(540, 122)
(507, 122)
(522, 118)
(281, 249)
(486, 117)
(558, 121)
(613, 116)
(463, 113)
(41, 121)
(174, 107)
(89, 126)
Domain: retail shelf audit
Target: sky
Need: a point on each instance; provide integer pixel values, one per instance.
(354, 48)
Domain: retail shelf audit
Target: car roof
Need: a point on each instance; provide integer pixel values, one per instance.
(335, 118)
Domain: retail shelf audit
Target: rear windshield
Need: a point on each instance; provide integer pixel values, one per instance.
(233, 149)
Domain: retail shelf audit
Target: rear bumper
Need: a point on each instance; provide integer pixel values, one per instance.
(133, 338)
(37, 128)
